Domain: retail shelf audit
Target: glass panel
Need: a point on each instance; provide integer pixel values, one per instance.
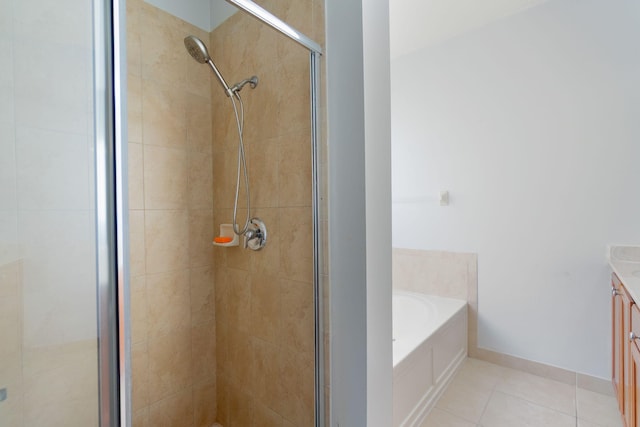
(224, 332)
(48, 347)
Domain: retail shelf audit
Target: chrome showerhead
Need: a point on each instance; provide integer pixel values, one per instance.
(197, 49)
(199, 52)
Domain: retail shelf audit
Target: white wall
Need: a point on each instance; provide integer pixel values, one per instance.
(532, 124)
(357, 61)
(196, 12)
(204, 14)
(220, 11)
(377, 115)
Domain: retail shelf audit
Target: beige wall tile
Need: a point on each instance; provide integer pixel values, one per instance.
(239, 299)
(265, 417)
(221, 295)
(222, 401)
(225, 130)
(61, 385)
(266, 319)
(240, 369)
(164, 58)
(297, 379)
(139, 320)
(237, 257)
(167, 240)
(262, 164)
(72, 413)
(201, 235)
(296, 248)
(11, 374)
(295, 102)
(136, 176)
(199, 75)
(222, 344)
(224, 179)
(140, 418)
(166, 177)
(175, 410)
(439, 273)
(264, 116)
(240, 406)
(133, 17)
(297, 332)
(163, 115)
(169, 366)
(198, 107)
(204, 404)
(139, 376)
(10, 325)
(294, 166)
(134, 53)
(169, 303)
(137, 249)
(200, 181)
(134, 106)
(268, 386)
(203, 352)
(202, 295)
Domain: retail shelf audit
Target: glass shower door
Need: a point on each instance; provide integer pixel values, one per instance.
(48, 318)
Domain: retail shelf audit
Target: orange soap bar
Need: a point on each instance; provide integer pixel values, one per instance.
(222, 239)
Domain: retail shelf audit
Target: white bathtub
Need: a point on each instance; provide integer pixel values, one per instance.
(429, 344)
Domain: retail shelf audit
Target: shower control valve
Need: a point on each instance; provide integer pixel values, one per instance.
(255, 238)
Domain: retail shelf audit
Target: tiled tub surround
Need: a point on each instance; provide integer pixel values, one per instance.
(429, 344)
(440, 273)
(453, 274)
(171, 222)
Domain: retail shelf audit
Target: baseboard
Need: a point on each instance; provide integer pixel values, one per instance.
(584, 381)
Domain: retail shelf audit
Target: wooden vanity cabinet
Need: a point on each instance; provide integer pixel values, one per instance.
(632, 394)
(617, 351)
(625, 353)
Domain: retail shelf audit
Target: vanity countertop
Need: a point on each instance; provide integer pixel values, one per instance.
(625, 262)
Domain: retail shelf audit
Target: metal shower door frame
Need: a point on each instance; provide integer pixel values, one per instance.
(110, 115)
(114, 349)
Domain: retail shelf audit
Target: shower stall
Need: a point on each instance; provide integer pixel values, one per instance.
(120, 163)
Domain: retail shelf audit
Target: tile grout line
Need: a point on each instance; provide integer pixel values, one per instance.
(493, 390)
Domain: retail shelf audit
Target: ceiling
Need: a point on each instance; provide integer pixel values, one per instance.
(416, 24)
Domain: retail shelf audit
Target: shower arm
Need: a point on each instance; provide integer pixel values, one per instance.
(223, 83)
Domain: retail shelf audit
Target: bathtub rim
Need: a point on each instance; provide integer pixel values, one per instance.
(453, 307)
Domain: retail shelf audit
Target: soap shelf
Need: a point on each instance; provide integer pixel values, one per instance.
(226, 230)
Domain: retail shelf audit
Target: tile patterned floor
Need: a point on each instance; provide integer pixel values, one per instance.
(487, 395)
